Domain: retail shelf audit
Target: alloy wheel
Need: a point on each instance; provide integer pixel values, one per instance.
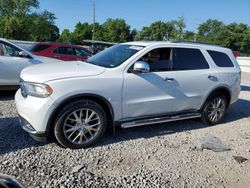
(216, 109)
(81, 126)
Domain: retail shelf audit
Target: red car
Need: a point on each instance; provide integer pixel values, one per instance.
(236, 53)
(66, 52)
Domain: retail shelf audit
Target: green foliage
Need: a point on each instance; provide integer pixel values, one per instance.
(18, 22)
(173, 30)
(82, 31)
(66, 36)
(156, 31)
(113, 30)
(234, 36)
(116, 30)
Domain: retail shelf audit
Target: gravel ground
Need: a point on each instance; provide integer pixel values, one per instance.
(165, 155)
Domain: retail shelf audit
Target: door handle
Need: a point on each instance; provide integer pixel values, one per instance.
(213, 78)
(169, 79)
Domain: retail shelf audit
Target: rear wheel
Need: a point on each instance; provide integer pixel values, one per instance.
(214, 109)
(80, 124)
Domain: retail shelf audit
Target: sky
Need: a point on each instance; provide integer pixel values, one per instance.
(139, 13)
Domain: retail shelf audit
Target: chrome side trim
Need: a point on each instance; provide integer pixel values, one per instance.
(160, 120)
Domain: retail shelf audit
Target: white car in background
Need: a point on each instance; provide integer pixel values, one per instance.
(12, 61)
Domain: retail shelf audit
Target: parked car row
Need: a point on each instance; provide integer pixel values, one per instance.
(65, 52)
(13, 59)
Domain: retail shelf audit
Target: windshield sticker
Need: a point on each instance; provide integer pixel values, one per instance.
(136, 47)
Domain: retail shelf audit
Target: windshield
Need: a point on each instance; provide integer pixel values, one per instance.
(114, 56)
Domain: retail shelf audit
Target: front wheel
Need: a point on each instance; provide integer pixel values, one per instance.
(214, 109)
(80, 124)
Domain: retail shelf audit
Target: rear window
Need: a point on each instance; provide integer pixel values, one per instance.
(39, 47)
(221, 59)
(188, 59)
(64, 50)
(81, 52)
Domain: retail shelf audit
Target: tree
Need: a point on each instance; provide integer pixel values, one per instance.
(157, 31)
(66, 36)
(189, 36)
(211, 31)
(245, 47)
(17, 7)
(82, 31)
(179, 26)
(234, 36)
(133, 34)
(116, 30)
(98, 32)
(43, 28)
(19, 22)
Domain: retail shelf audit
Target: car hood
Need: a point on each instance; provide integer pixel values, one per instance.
(53, 71)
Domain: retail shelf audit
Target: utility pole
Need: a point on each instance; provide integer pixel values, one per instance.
(93, 35)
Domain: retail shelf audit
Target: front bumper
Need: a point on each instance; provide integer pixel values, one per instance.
(34, 114)
(40, 137)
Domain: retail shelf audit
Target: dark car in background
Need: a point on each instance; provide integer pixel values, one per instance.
(65, 52)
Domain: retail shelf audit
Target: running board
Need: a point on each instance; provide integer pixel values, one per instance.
(164, 119)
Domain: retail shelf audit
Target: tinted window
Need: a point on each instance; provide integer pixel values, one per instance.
(81, 52)
(39, 47)
(64, 50)
(188, 59)
(158, 59)
(221, 59)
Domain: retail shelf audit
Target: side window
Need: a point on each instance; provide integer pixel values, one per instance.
(39, 47)
(80, 52)
(64, 50)
(220, 59)
(159, 59)
(8, 50)
(188, 59)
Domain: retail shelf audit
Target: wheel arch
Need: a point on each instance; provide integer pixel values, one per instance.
(103, 102)
(222, 89)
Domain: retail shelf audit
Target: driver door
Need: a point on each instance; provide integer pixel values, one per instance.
(146, 94)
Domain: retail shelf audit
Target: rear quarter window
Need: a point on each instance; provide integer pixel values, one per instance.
(221, 59)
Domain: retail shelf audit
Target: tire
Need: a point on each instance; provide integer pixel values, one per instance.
(74, 132)
(214, 109)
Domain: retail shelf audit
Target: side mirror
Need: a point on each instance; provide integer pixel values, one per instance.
(23, 54)
(141, 67)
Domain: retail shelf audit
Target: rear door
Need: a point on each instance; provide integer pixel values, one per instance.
(192, 75)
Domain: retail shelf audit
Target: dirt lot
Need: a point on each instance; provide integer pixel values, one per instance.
(166, 155)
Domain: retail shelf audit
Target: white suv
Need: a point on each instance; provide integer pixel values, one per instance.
(127, 85)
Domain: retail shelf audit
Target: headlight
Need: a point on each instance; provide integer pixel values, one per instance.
(35, 89)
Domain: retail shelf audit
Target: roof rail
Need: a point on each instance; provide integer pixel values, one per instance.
(192, 42)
